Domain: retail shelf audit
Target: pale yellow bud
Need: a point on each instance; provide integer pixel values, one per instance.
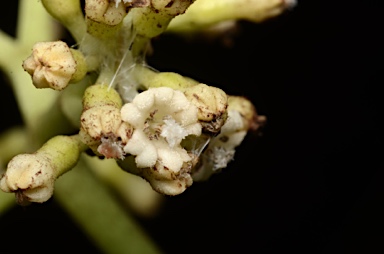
(101, 126)
(54, 65)
(32, 176)
(105, 11)
(211, 103)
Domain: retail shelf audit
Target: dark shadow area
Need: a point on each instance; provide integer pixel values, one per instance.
(312, 182)
(42, 228)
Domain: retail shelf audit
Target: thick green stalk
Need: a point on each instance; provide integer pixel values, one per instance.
(12, 142)
(32, 102)
(99, 213)
(205, 13)
(134, 191)
(34, 24)
(69, 14)
(8, 48)
(149, 78)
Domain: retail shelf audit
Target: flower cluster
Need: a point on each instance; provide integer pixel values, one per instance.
(169, 129)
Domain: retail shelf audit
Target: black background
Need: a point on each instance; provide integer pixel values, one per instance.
(312, 183)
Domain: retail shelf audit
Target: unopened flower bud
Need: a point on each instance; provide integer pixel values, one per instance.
(105, 11)
(211, 103)
(54, 65)
(101, 127)
(32, 176)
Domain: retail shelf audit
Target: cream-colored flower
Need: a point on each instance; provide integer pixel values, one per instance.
(162, 118)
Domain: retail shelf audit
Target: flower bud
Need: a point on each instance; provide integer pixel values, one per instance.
(32, 176)
(101, 127)
(105, 11)
(211, 103)
(54, 65)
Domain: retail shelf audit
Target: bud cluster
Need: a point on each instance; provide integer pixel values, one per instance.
(169, 129)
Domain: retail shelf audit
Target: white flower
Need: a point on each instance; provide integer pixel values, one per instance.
(162, 118)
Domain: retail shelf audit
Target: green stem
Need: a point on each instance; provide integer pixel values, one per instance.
(8, 48)
(132, 189)
(149, 78)
(34, 24)
(32, 102)
(12, 142)
(100, 214)
(205, 13)
(69, 14)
